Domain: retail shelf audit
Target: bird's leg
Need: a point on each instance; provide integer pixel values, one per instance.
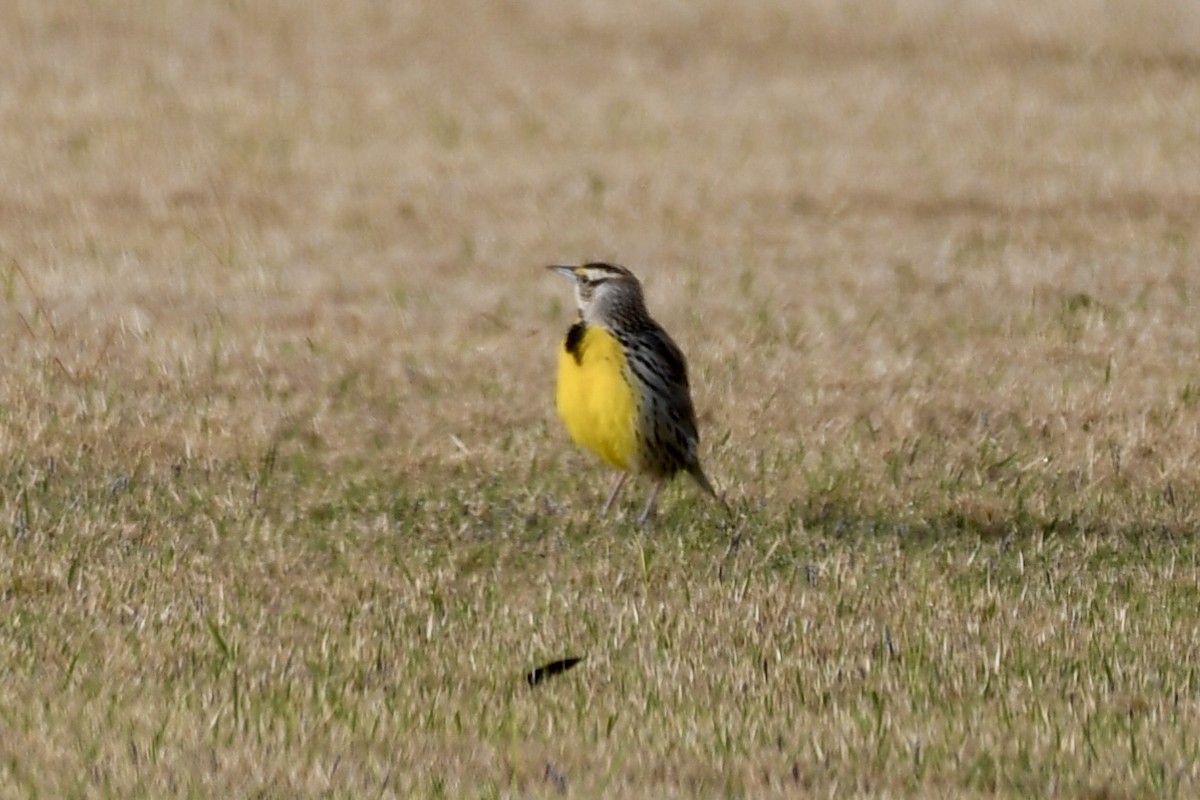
(645, 515)
(613, 494)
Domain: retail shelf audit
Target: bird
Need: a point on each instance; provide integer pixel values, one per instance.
(622, 389)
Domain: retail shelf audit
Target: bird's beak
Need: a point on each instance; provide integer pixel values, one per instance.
(566, 272)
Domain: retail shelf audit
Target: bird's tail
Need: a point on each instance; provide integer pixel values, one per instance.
(696, 472)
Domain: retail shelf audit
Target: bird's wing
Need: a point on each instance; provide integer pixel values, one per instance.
(672, 358)
(669, 371)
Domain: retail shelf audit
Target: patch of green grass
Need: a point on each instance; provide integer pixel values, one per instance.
(386, 633)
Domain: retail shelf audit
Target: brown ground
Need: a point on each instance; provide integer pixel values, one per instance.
(276, 397)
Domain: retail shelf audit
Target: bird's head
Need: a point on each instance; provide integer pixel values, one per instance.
(604, 290)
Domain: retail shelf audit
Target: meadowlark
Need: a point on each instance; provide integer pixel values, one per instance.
(623, 385)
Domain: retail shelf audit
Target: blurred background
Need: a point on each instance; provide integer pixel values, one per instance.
(872, 226)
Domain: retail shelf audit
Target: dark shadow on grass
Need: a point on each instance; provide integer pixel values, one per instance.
(536, 676)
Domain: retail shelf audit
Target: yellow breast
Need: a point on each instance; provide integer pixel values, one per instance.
(594, 397)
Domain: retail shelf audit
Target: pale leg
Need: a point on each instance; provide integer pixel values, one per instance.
(613, 494)
(645, 515)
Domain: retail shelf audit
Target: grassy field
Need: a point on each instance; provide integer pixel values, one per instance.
(285, 510)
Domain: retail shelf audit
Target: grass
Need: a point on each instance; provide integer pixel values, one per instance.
(284, 507)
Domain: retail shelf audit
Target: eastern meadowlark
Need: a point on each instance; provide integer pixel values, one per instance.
(623, 385)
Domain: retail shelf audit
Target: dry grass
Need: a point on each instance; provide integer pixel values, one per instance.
(285, 508)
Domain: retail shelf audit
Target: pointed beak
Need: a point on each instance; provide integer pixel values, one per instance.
(566, 272)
